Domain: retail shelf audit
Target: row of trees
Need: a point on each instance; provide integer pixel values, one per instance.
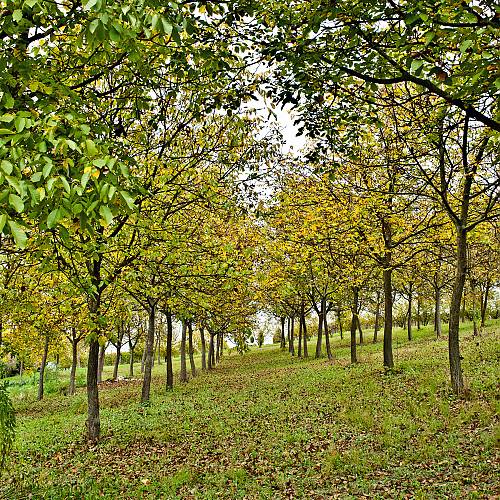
(127, 155)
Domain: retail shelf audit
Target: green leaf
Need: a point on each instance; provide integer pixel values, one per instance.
(85, 179)
(465, 45)
(36, 177)
(53, 218)
(91, 3)
(128, 200)
(416, 64)
(3, 220)
(65, 183)
(167, 27)
(91, 148)
(18, 234)
(106, 214)
(46, 170)
(7, 166)
(20, 123)
(16, 202)
(8, 100)
(17, 15)
(6, 131)
(14, 182)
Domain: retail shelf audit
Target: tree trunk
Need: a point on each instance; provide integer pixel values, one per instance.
(102, 353)
(464, 310)
(93, 411)
(418, 311)
(170, 335)
(131, 366)
(339, 319)
(42, 368)
(158, 345)
(143, 359)
(117, 360)
(299, 349)
(74, 356)
(191, 349)
(320, 332)
(304, 334)
(388, 358)
(93, 418)
(211, 347)
(292, 333)
(203, 350)
(149, 348)
(457, 381)
(327, 333)
(377, 319)
(282, 343)
(410, 297)
(437, 314)
(484, 303)
(354, 321)
(361, 340)
(183, 375)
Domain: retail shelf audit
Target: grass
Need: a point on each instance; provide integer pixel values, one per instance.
(264, 425)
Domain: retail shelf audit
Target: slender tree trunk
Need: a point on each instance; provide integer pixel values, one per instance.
(93, 419)
(377, 319)
(282, 343)
(361, 339)
(464, 309)
(42, 368)
(419, 306)
(339, 319)
(299, 349)
(149, 348)
(217, 347)
(288, 333)
(388, 358)
(74, 355)
(191, 349)
(170, 336)
(102, 354)
(93, 410)
(327, 333)
(484, 303)
(131, 365)
(437, 314)
(354, 321)
(211, 347)
(474, 310)
(304, 334)
(143, 359)
(292, 333)
(158, 341)
(203, 350)
(410, 297)
(454, 325)
(117, 360)
(320, 332)
(183, 375)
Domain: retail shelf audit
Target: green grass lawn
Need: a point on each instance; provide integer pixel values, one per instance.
(264, 425)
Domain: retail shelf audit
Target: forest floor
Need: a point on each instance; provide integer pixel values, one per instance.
(265, 425)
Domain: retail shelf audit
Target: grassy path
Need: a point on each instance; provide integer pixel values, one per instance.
(263, 425)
